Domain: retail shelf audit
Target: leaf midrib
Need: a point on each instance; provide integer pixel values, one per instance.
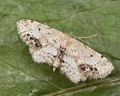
(72, 89)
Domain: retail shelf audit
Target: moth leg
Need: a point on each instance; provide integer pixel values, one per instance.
(85, 37)
(56, 63)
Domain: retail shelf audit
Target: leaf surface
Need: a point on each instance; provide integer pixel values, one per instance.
(21, 76)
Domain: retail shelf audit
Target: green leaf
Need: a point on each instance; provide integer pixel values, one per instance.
(21, 76)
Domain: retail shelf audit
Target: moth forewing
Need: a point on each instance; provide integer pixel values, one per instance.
(76, 60)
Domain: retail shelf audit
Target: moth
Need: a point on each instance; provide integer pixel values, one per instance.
(76, 60)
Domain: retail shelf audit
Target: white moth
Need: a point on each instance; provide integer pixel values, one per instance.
(77, 61)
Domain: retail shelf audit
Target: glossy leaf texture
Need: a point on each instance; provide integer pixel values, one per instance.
(21, 76)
